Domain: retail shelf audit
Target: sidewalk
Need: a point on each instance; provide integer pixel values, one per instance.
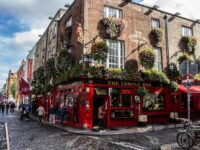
(116, 131)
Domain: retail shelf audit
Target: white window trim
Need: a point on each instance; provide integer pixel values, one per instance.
(186, 28)
(161, 60)
(120, 46)
(107, 10)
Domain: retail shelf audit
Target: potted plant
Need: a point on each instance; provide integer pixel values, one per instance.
(141, 91)
(147, 58)
(156, 36)
(131, 66)
(183, 57)
(99, 51)
(188, 44)
(113, 26)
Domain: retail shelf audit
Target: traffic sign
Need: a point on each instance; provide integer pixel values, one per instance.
(188, 80)
(188, 66)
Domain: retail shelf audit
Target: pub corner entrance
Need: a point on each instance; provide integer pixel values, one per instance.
(98, 101)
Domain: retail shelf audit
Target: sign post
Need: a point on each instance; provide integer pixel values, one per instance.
(187, 70)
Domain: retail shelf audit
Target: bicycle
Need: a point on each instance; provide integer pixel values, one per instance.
(189, 137)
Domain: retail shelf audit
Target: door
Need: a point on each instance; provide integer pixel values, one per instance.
(97, 102)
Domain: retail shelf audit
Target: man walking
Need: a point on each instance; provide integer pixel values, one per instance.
(52, 112)
(41, 113)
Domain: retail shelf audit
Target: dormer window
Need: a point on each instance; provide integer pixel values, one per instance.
(112, 12)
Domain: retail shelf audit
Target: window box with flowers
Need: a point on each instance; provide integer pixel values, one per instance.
(156, 36)
(113, 26)
(188, 44)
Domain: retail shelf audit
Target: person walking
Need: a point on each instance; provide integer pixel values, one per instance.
(41, 113)
(2, 107)
(61, 113)
(101, 116)
(7, 107)
(52, 113)
(23, 111)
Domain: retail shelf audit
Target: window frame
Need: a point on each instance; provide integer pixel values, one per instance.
(183, 27)
(106, 12)
(69, 23)
(161, 59)
(156, 20)
(120, 54)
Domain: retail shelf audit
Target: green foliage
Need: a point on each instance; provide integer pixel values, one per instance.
(13, 89)
(66, 37)
(183, 57)
(96, 72)
(197, 77)
(173, 86)
(131, 66)
(114, 26)
(189, 43)
(40, 75)
(114, 73)
(75, 71)
(141, 91)
(155, 75)
(156, 35)
(147, 58)
(173, 72)
(50, 67)
(99, 51)
(64, 60)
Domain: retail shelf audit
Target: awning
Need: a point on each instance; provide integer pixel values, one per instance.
(193, 90)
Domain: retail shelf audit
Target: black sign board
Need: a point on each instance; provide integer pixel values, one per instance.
(4, 142)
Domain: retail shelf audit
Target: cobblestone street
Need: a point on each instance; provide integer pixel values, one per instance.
(30, 135)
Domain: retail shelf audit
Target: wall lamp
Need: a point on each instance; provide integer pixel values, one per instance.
(50, 18)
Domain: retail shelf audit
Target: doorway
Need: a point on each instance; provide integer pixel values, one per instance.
(97, 101)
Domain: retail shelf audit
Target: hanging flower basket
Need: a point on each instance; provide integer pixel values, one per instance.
(188, 44)
(131, 66)
(147, 58)
(173, 72)
(156, 36)
(141, 91)
(99, 51)
(173, 86)
(114, 73)
(113, 26)
(183, 57)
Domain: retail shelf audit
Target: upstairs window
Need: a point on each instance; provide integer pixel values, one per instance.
(112, 12)
(158, 60)
(115, 57)
(155, 23)
(68, 22)
(186, 31)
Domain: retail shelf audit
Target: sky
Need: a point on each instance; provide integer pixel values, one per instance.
(21, 22)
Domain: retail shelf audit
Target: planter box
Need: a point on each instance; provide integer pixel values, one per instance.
(142, 120)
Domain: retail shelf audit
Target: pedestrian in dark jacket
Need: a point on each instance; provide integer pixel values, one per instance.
(52, 113)
(7, 107)
(61, 113)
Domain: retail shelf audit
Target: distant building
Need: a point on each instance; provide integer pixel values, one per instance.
(12, 77)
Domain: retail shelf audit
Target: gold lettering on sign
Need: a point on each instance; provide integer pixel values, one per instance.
(113, 83)
(146, 84)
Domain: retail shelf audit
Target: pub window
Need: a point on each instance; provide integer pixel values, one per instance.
(155, 23)
(68, 101)
(112, 12)
(153, 102)
(186, 31)
(127, 100)
(115, 97)
(115, 56)
(158, 60)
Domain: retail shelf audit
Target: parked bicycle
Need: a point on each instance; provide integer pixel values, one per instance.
(189, 137)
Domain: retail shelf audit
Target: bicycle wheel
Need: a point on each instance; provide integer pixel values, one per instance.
(184, 140)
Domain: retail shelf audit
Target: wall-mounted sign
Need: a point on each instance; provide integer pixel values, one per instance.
(100, 91)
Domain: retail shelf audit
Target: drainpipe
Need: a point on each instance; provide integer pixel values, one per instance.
(166, 38)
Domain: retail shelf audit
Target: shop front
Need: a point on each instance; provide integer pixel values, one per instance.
(123, 106)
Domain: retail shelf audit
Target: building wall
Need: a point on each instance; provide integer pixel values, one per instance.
(76, 12)
(52, 34)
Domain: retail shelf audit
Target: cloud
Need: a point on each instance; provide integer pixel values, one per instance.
(187, 8)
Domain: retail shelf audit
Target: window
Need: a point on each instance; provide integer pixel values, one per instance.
(127, 100)
(153, 102)
(115, 98)
(112, 12)
(55, 30)
(115, 57)
(155, 23)
(68, 22)
(158, 60)
(186, 31)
